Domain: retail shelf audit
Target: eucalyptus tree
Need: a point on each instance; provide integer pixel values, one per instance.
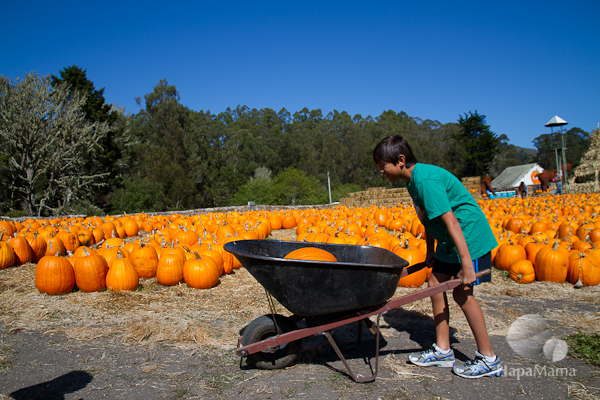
(46, 139)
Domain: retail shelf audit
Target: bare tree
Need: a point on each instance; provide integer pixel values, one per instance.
(46, 139)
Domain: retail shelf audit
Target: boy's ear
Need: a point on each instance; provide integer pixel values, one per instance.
(401, 160)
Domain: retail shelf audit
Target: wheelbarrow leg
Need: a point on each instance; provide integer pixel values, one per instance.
(356, 377)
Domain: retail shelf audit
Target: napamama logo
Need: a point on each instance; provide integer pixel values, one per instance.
(530, 337)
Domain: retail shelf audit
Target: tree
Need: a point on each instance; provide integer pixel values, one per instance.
(508, 155)
(48, 140)
(576, 141)
(258, 189)
(480, 143)
(105, 155)
(293, 187)
(167, 148)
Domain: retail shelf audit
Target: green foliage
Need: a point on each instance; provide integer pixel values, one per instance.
(586, 347)
(257, 190)
(81, 207)
(138, 196)
(104, 156)
(289, 187)
(16, 214)
(337, 192)
(508, 156)
(576, 140)
(48, 141)
(479, 142)
(168, 157)
(294, 187)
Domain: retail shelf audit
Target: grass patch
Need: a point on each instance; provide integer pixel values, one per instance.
(586, 347)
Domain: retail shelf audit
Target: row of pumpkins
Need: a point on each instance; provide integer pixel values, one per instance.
(553, 238)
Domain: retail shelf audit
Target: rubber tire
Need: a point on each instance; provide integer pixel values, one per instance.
(264, 327)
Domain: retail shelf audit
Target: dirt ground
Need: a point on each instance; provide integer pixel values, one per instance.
(176, 342)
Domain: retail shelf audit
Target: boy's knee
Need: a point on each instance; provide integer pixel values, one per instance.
(461, 294)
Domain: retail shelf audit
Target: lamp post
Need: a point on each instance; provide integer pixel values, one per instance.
(558, 121)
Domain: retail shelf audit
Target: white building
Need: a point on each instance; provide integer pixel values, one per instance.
(512, 177)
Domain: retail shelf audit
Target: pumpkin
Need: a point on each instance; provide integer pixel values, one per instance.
(85, 237)
(7, 228)
(584, 230)
(312, 254)
(275, 221)
(54, 275)
(532, 249)
(231, 259)
(38, 247)
(55, 245)
(227, 257)
(508, 254)
(514, 224)
(551, 263)
(201, 272)
(122, 275)
(215, 255)
(413, 256)
(98, 235)
(112, 254)
(583, 270)
(7, 254)
(187, 238)
(83, 251)
(69, 240)
(113, 242)
(522, 271)
(169, 270)
(90, 272)
(380, 217)
(131, 228)
(145, 261)
(22, 249)
(109, 230)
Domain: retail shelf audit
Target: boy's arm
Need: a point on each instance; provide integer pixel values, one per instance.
(430, 249)
(467, 274)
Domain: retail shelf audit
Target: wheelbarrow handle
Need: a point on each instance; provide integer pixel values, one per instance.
(483, 273)
(418, 266)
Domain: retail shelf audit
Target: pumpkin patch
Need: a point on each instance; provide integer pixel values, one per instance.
(552, 238)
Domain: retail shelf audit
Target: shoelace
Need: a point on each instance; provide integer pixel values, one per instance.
(468, 363)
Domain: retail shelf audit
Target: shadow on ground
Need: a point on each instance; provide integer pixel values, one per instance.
(56, 388)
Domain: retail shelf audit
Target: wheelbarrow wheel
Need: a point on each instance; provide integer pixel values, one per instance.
(263, 328)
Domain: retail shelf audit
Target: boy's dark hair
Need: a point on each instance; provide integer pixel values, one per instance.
(388, 150)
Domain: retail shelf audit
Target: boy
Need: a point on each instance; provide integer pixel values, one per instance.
(464, 242)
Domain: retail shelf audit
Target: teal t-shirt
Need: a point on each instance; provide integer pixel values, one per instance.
(436, 191)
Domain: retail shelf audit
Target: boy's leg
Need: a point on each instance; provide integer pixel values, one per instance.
(440, 354)
(463, 295)
(441, 313)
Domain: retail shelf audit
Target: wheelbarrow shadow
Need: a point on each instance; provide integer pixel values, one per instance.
(419, 327)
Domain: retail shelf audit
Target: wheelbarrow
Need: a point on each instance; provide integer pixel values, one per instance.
(326, 295)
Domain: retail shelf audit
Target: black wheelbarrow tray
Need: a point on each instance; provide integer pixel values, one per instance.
(326, 295)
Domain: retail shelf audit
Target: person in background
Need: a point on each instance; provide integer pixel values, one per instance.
(523, 190)
(558, 180)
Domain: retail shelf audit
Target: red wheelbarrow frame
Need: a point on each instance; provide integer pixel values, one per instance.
(272, 343)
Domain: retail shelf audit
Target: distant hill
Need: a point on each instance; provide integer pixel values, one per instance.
(531, 152)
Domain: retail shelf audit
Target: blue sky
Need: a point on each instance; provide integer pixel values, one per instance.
(518, 63)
